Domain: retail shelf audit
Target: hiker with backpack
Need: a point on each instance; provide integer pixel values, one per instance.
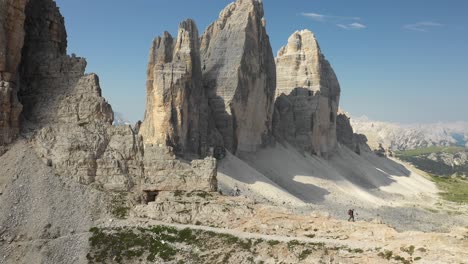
(351, 215)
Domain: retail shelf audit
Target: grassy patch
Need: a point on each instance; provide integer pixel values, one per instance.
(428, 150)
(121, 243)
(409, 250)
(273, 242)
(453, 189)
(167, 244)
(387, 254)
(293, 243)
(356, 250)
(304, 254)
(201, 194)
(119, 207)
(420, 159)
(164, 244)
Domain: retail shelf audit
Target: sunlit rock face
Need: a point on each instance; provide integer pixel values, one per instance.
(239, 75)
(307, 96)
(12, 18)
(176, 108)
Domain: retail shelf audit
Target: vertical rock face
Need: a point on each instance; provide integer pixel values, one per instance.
(239, 75)
(307, 96)
(54, 88)
(344, 131)
(347, 137)
(68, 122)
(64, 112)
(11, 42)
(176, 103)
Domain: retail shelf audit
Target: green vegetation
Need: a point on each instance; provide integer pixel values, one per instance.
(122, 243)
(408, 250)
(429, 150)
(304, 254)
(419, 158)
(356, 250)
(387, 254)
(453, 189)
(168, 244)
(119, 207)
(293, 243)
(201, 194)
(273, 242)
(163, 244)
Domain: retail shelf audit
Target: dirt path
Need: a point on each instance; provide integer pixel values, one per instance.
(241, 234)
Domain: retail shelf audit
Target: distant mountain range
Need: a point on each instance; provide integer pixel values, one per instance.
(120, 120)
(411, 136)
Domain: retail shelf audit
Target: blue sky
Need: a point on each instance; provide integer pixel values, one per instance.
(397, 60)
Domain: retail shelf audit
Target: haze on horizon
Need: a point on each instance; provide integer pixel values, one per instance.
(398, 61)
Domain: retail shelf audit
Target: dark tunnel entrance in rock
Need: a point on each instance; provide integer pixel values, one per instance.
(150, 196)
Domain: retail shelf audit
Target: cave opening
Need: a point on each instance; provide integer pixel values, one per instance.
(150, 196)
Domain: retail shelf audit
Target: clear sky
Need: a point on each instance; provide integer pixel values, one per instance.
(397, 60)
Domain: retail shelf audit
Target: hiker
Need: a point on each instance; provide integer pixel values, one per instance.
(236, 191)
(351, 215)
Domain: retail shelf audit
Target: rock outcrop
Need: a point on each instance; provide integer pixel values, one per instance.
(307, 96)
(239, 75)
(176, 108)
(64, 112)
(11, 42)
(346, 136)
(69, 123)
(163, 172)
(54, 87)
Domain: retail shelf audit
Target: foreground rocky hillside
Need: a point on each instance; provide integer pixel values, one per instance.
(223, 119)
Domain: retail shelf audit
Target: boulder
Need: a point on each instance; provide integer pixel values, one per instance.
(239, 76)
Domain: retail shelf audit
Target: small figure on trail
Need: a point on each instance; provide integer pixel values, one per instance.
(236, 191)
(351, 215)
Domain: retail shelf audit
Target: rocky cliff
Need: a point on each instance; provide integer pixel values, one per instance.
(11, 42)
(69, 123)
(346, 136)
(176, 111)
(239, 75)
(307, 96)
